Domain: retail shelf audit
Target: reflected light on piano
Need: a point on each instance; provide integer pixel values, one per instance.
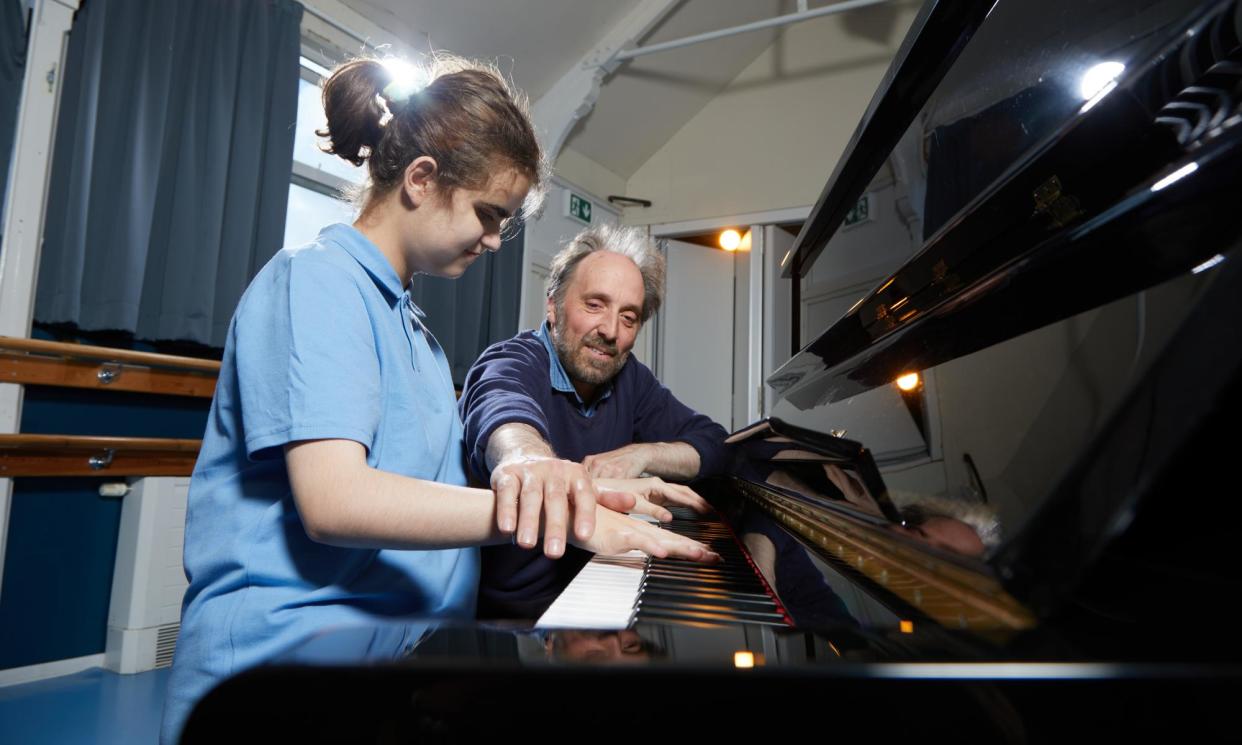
(743, 659)
(1176, 176)
(907, 627)
(730, 240)
(1099, 77)
(908, 382)
(1201, 268)
(1098, 82)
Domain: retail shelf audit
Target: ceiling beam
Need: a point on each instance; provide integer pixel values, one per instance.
(574, 95)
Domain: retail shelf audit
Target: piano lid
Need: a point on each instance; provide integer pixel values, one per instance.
(1057, 262)
(1066, 146)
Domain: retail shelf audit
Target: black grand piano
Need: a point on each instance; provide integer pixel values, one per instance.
(1045, 201)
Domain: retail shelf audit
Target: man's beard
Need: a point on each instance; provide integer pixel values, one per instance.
(584, 367)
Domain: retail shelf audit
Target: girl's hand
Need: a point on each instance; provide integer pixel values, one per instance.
(616, 533)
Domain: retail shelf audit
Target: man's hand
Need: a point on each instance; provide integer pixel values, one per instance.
(616, 533)
(670, 460)
(527, 487)
(627, 462)
(654, 494)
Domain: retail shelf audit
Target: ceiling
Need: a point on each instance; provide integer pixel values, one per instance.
(640, 106)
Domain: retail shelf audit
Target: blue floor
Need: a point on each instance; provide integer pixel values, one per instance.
(95, 707)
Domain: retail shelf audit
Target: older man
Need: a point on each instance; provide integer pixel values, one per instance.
(556, 413)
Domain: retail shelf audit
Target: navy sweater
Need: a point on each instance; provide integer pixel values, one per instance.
(511, 382)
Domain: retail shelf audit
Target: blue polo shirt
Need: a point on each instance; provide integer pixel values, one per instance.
(325, 343)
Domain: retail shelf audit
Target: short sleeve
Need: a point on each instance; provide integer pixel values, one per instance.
(306, 359)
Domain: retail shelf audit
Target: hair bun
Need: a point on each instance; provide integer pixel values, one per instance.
(355, 117)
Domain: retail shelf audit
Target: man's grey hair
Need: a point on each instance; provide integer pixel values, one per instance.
(981, 517)
(631, 242)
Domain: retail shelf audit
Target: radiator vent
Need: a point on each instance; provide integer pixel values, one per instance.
(166, 644)
(148, 580)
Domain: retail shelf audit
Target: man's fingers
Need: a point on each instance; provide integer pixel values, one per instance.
(506, 487)
(555, 519)
(684, 495)
(585, 498)
(616, 499)
(646, 507)
(530, 504)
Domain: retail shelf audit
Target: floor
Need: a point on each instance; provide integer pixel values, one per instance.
(93, 707)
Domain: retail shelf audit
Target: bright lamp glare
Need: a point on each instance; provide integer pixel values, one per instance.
(730, 240)
(407, 78)
(1098, 78)
(908, 382)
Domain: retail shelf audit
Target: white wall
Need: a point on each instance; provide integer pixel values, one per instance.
(578, 169)
(545, 235)
(772, 137)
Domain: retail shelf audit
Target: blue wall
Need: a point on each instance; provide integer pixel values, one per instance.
(62, 534)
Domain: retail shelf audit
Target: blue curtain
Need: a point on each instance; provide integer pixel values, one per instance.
(476, 310)
(171, 166)
(12, 67)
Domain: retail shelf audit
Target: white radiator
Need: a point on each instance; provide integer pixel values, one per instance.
(148, 581)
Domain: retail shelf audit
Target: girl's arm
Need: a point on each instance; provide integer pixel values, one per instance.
(345, 502)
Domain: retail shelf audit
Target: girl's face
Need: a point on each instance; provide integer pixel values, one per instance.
(449, 232)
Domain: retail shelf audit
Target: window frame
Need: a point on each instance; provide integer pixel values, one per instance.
(304, 174)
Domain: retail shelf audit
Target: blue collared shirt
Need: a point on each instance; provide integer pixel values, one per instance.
(560, 379)
(325, 344)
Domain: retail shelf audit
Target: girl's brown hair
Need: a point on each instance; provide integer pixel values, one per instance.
(467, 118)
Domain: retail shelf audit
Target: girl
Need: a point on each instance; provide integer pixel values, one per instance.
(330, 486)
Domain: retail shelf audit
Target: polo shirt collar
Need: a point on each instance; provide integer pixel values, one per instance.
(560, 379)
(368, 255)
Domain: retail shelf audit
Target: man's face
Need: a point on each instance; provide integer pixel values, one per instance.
(595, 329)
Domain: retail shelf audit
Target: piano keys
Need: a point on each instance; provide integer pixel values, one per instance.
(613, 592)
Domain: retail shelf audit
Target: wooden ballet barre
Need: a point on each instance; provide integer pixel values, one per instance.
(82, 455)
(38, 362)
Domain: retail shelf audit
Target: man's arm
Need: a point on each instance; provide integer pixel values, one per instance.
(528, 477)
(672, 441)
(504, 440)
(668, 460)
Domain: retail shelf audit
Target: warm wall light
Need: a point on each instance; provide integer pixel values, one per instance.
(744, 659)
(908, 382)
(907, 627)
(730, 240)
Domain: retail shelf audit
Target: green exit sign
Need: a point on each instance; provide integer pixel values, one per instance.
(579, 207)
(860, 212)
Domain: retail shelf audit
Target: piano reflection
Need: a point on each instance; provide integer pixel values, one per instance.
(1054, 193)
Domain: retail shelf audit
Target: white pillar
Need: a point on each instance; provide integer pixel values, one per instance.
(25, 198)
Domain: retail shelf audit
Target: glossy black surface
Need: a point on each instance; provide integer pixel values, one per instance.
(1011, 182)
(462, 684)
(1061, 268)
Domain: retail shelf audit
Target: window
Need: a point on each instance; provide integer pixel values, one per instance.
(316, 186)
